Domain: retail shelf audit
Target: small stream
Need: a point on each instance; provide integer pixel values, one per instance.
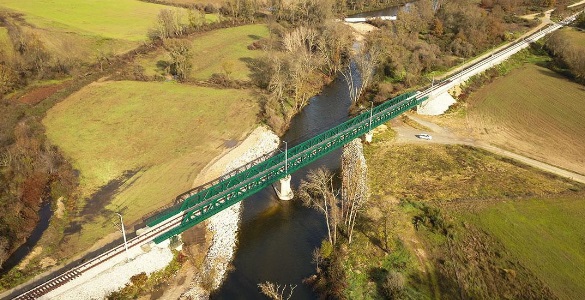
(45, 214)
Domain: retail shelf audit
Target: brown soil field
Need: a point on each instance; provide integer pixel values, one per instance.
(38, 94)
(532, 111)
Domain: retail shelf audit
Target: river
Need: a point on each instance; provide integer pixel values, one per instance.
(277, 238)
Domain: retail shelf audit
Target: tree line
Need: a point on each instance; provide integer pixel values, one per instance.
(341, 208)
(567, 54)
(426, 39)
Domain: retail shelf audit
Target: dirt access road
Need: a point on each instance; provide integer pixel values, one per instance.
(442, 135)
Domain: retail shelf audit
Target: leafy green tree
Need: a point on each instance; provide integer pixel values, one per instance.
(179, 51)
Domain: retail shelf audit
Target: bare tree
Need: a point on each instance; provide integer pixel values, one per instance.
(317, 259)
(5, 159)
(365, 61)
(168, 25)
(8, 79)
(3, 250)
(333, 45)
(300, 39)
(354, 191)
(196, 18)
(276, 291)
(317, 192)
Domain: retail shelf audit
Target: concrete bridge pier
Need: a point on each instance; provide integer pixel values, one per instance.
(368, 136)
(282, 188)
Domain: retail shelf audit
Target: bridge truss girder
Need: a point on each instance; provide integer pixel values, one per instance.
(206, 203)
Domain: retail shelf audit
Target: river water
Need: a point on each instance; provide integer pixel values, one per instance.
(276, 237)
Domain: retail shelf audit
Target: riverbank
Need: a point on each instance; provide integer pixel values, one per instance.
(223, 227)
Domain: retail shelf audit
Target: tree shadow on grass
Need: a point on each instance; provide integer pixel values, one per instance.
(366, 226)
(96, 204)
(259, 71)
(560, 73)
(163, 65)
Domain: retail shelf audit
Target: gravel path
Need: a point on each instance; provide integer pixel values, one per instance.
(441, 135)
(112, 275)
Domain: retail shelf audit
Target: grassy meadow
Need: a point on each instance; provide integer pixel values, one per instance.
(479, 227)
(114, 19)
(214, 50)
(5, 43)
(534, 111)
(163, 133)
(71, 31)
(448, 173)
(544, 234)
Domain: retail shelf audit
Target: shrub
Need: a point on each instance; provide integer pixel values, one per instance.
(393, 286)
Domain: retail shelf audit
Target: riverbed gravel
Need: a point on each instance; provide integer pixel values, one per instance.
(114, 274)
(224, 225)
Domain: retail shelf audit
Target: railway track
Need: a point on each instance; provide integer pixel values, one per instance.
(473, 69)
(75, 272)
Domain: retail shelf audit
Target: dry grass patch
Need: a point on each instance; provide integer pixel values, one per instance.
(453, 172)
(5, 43)
(448, 255)
(576, 36)
(216, 3)
(535, 112)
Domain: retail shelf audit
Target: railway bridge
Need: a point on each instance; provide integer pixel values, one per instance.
(199, 204)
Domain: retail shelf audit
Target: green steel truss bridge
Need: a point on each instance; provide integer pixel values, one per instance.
(201, 203)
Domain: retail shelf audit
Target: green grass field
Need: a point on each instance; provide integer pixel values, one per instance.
(116, 19)
(70, 29)
(166, 131)
(535, 111)
(471, 186)
(546, 236)
(211, 50)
